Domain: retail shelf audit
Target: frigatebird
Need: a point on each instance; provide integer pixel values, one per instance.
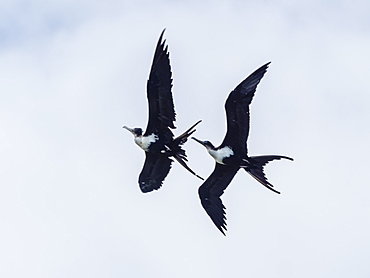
(158, 141)
(231, 155)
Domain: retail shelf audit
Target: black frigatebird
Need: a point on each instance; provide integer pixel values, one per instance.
(231, 155)
(158, 141)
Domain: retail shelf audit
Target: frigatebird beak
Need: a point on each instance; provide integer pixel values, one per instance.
(129, 129)
(199, 141)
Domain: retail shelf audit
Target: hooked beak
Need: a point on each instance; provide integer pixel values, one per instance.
(129, 129)
(199, 141)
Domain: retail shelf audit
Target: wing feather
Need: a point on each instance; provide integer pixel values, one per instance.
(156, 168)
(237, 111)
(159, 92)
(212, 189)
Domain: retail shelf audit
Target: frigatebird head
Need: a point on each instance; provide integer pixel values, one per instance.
(206, 144)
(137, 131)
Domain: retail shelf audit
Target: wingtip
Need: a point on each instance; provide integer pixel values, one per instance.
(266, 66)
(161, 41)
(222, 229)
(162, 33)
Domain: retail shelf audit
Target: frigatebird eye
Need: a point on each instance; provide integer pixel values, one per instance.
(138, 131)
(207, 144)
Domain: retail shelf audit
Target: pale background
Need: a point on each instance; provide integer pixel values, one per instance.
(72, 73)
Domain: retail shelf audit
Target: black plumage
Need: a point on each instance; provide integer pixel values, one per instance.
(158, 141)
(231, 155)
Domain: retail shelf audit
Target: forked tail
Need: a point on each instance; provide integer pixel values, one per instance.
(181, 158)
(254, 166)
(181, 139)
(179, 153)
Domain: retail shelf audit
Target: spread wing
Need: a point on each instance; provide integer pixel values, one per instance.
(212, 189)
(156, 168)
(237, 111)
(159, 94)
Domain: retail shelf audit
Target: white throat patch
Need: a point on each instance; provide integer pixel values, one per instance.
(220, 154)
(145, 141)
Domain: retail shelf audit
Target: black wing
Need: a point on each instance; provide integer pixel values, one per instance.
(161, 108)
(212, 189)
(156, 168)
(237, 111)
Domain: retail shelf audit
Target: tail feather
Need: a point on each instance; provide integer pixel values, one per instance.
(254, 166)
(180, 159)
(181, 139)
(178, 153)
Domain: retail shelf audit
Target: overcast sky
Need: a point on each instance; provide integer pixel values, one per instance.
(72, 73)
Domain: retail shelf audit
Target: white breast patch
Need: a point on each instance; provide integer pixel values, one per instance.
(220, 154)
(145, 141)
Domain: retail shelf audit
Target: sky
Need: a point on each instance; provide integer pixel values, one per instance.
(72, 73)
